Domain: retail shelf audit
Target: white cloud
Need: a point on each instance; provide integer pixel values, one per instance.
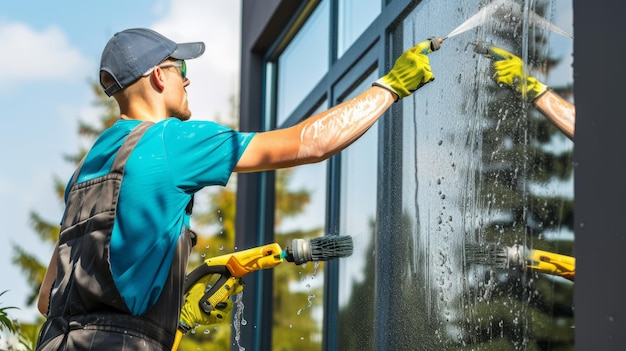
(31, 55)
(215, 75)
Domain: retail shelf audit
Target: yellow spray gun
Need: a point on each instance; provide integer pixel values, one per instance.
(229, 268)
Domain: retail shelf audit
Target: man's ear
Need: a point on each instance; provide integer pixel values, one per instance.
(158, 78)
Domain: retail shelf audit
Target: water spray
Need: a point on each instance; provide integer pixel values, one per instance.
(504, 9)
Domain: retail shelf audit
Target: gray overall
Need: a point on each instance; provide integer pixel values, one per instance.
(86, 310)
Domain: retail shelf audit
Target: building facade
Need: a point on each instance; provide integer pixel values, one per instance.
(460, 170)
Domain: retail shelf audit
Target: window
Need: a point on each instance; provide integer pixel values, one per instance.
(461, 167)
(354, 17)
(303, 63)
(357, 276)
(482, 171)
(300, 213)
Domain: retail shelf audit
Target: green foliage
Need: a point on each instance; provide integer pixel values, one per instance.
(17, 336)
(5, 321)
(297, 294)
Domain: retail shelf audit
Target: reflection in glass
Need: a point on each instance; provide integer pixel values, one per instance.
(303, 63)
(354, 17)
(359, 167)
(298, 290)
(482, 166)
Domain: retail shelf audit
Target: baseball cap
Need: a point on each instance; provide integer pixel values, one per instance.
(132, 52)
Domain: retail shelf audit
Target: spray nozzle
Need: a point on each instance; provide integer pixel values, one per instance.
(480, 47)
(435, 44)
(487, 50)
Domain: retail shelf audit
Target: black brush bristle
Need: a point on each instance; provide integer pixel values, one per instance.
(331, 246)
(488, 254)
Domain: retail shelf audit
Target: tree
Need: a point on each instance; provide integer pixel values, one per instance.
(48, 231)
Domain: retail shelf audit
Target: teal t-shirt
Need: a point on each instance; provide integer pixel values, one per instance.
(172, 161)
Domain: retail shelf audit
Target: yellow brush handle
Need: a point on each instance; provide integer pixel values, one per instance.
(552, 263)
(229, 269)
(177, 339)
(243, 262)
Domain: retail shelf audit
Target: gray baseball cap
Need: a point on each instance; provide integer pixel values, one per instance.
(132, 52)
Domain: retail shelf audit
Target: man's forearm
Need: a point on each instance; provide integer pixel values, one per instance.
(335, 129)
(559, 111)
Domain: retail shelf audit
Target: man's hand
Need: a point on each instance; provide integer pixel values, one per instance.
(410, 72)
(192, 313)
(509, 70)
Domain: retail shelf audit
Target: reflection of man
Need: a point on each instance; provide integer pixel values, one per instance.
(509, 70)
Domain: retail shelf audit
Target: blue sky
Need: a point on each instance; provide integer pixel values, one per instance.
(50, 51)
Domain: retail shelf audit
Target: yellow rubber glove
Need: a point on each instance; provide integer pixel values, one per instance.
(192, 314)
(410, 72)
(509, 70)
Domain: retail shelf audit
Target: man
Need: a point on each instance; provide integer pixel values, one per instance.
(115, 279)
(509, 71)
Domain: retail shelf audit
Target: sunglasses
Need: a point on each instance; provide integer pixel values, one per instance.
(182, 66)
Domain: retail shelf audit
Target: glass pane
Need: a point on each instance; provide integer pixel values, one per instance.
(303, 63)
(300, 213)
(487, 184)
(354, 17)
(358, 219)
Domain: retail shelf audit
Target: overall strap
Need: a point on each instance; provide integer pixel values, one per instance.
(129, 145)
(122, 154)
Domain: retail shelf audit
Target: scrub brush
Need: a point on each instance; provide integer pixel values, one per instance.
(510, 257)
(318, 249)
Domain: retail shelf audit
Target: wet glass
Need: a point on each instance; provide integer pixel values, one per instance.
(303, 63)
(484, 174)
